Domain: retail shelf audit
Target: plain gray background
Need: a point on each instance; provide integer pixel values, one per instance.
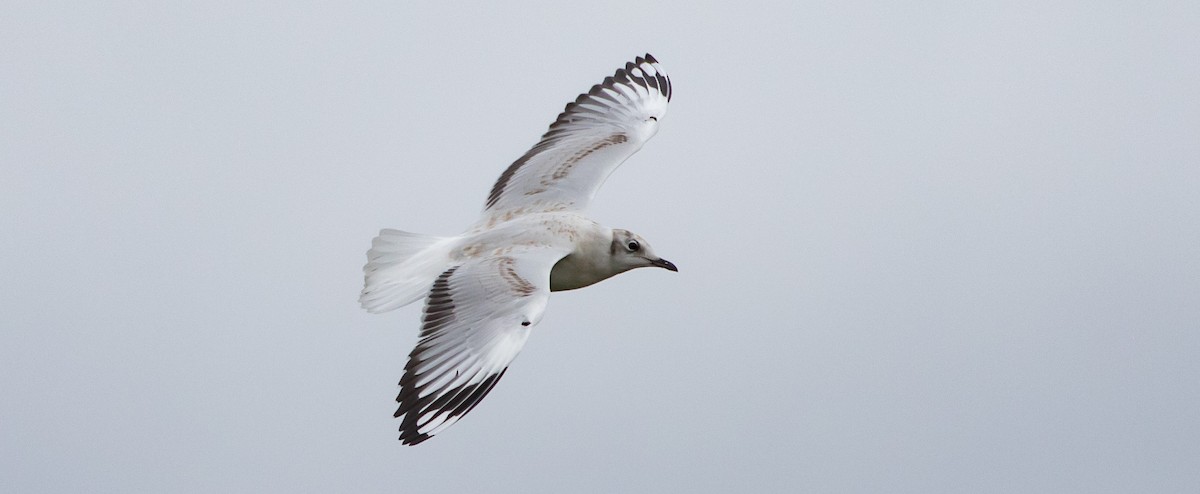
(931, 247)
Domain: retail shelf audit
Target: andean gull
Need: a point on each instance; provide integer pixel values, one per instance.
(486, 288)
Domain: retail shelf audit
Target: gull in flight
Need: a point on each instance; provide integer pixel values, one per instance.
(486, 288)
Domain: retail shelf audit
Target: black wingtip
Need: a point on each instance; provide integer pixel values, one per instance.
(660, 81)
(409, 435)
(408, 439)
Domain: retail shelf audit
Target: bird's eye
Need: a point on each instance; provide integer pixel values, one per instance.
(633, 245)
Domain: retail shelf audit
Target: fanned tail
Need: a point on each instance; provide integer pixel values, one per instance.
(401, 266)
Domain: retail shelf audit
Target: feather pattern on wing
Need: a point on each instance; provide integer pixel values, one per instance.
(477, 317)
(590, 139)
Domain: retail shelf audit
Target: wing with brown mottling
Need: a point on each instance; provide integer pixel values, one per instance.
(590, 139)
(477, 317)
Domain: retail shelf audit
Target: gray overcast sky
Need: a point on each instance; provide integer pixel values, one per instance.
(943, 247)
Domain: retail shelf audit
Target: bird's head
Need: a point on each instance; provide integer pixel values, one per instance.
(629, 251)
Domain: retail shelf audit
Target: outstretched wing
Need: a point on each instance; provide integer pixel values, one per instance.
(477, 317)
(590, 138)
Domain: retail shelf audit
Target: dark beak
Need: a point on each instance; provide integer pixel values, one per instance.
(665, 264)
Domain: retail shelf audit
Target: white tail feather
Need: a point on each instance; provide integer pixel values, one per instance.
(401, 266)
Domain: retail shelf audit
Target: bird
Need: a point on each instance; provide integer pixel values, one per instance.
(486, 288)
